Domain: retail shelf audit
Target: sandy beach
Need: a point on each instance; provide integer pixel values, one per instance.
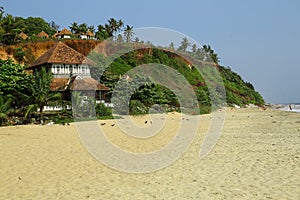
(256, 157)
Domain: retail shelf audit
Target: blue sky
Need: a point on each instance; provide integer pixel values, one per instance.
(259, 40)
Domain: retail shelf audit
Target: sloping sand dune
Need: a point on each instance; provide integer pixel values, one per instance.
(256, 157)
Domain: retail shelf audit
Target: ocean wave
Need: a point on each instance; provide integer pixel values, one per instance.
(287, 107)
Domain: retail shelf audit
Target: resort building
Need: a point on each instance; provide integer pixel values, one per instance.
(89, 35)
(63, 34)
(43, 34)
(71, 72)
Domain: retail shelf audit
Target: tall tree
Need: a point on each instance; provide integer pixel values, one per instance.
(53, 25)
(82, 28)
(184, 44)
(211, 56)
(91, 28)
(128, 33)
(194, 48)
(74, 28)
(171, 46)
(101, 33)
(41, 94)
(14, 82)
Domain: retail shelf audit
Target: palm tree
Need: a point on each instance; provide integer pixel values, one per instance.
(194, 48)
(74, 27)
(128, 33)
(120, 24)
(5, 109)
(41, 94)
(171, 46)
(82, 28)
(113, 24)
(184, 44)
(101, 33)
(91, 28)
(211, 56)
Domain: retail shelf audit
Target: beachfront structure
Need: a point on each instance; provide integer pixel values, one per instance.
(89, 35)
(71, 72)
(63, 34)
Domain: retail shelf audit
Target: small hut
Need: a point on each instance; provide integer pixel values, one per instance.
(65, 33)
(23, 36)
(43, 34)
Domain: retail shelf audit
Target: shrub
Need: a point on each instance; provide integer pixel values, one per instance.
(102, 110)
(19, 54)
(137, 107)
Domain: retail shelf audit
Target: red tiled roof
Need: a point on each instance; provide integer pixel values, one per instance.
(60, 53)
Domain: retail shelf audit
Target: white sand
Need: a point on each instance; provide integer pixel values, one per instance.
(256, 157)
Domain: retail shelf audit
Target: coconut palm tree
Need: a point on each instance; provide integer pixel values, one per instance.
(74, 27)
(184, 44)
(41, 95)
(128, 33)
(82, 28)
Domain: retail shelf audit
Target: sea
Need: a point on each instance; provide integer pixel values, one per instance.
(292, 107)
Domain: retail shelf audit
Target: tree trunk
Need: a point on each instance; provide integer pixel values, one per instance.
(41, 115)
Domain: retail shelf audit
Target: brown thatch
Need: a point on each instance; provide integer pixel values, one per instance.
(23, 35)
(65, 32)
(60, 53)
(90, 33)
(55, 35)
(43, 34)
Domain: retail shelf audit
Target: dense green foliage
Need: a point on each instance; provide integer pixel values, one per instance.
(237, 91)
(14, 82)
(11, 26)
(24, 93)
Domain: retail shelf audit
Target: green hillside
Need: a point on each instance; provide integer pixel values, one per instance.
(238, 92)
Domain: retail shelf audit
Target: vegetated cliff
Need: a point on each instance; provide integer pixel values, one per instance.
(238, 91)
(33, 50)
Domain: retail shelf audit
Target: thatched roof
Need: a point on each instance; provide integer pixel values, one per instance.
(55, 35)
(43, 34)
(65, 32)
(23, 35)
(60, 53)
(62, 84)
(90, 33)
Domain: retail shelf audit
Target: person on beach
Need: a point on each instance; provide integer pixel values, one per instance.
(290, 107)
